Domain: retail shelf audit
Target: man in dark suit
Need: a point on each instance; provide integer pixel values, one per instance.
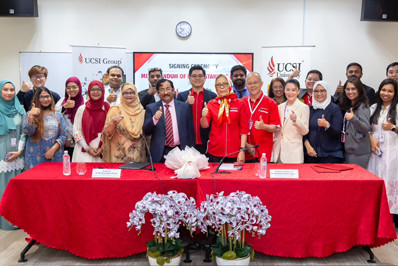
(196, 97)
(169, 121)
(355, 70)
(149, 95)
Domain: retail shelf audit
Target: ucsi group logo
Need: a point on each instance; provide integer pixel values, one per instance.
(98, 60)
(282, 69)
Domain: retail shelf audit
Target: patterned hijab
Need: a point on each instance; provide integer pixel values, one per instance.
(79, 100)
(8, 109)
(134, 113)
(325, 103)
(94, 114)
(223, 111)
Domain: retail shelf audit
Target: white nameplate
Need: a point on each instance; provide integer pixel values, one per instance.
(284, 173)
(107, 173)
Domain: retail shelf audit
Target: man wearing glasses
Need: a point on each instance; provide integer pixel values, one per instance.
(38, 77)
(150, 95)
(196, 97)
(168, 121)
(313, 76)
(114, 74)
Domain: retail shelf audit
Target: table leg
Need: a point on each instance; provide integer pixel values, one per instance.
(26, 249)
(371, 255)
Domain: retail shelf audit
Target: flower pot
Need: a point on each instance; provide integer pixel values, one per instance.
(174, 261)
(238, 261)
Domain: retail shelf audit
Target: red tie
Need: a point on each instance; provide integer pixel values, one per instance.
(169, 128)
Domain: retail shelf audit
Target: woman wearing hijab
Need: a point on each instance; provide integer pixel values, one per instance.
(12, 140)
(88, 124)
(45, 130)
(384, 141)
(322, 143)
(229, 123)
(288, 142)
(122, 134)
(68, 107)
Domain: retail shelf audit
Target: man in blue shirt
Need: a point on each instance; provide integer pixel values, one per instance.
(238, 77)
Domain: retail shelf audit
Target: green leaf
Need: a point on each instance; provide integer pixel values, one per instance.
(151, 244)
(160, 261)
(243, 252)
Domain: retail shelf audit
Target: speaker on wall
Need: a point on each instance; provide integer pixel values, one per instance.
(18, 8)
(379, 10)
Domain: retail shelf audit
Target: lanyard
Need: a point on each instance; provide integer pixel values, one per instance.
(255, 108)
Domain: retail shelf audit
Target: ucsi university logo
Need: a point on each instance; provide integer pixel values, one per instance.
(283, 69)
(80, 59)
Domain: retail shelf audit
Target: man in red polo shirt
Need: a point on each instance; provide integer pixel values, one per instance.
(264, 119)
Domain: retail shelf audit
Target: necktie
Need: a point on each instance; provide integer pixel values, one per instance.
(169, 128)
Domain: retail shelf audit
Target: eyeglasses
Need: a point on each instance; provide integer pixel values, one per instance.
(126, 93)
(95, 90)
(255, 83)
(197, 76)
(72, 87)
(320, 91)
(350, 89)
(45, 97)
(219, 85)
(38, 77)
(168, 89)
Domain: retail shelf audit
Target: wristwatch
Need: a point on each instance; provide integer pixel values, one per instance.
(393, 128)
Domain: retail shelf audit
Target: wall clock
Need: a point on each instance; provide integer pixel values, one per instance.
(183, 29)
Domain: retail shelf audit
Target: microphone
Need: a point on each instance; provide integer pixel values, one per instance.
(149, 153)
(232, 153)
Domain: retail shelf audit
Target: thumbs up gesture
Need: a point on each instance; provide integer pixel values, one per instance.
(69, 103)
(190, 99)
(259, 124)
(295, 73)
(158, 114)
(117, 118)
(349, 115)
(322, 122)
(205, 110)
(293, 116)
(25, 87)
(387, 125)
(112, 97)
(339, 89)
(34, 111)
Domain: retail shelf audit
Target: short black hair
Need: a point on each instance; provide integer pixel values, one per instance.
(391, 65)
(294, 81)
(353, 64)
(197, 67)
(155, 69)
(238, 67)
(160, 82)
(314, 71)
(115, 66)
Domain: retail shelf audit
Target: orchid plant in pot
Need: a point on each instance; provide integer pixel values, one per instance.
(231, 216)
(168, 213)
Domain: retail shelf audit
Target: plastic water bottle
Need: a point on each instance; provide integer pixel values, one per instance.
(66, 163)
(262, 171)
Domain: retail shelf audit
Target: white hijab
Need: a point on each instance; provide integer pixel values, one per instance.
(325, 103)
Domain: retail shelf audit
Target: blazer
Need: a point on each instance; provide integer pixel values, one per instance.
(288, 142)
(207, 96)
(158, 131)
(145, 98)
(356, 139)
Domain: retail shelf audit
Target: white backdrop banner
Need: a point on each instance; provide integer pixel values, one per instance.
(91, 62)
(281, 61)
(175, 66)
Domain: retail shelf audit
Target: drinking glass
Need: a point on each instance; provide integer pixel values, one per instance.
(81, 168)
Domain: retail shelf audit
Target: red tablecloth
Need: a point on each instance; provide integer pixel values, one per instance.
(314, 216)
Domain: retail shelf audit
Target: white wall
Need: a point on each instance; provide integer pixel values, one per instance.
(333, 26)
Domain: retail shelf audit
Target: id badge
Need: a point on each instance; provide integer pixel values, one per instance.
(381, 138)
(250, 124)
(343, 137)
